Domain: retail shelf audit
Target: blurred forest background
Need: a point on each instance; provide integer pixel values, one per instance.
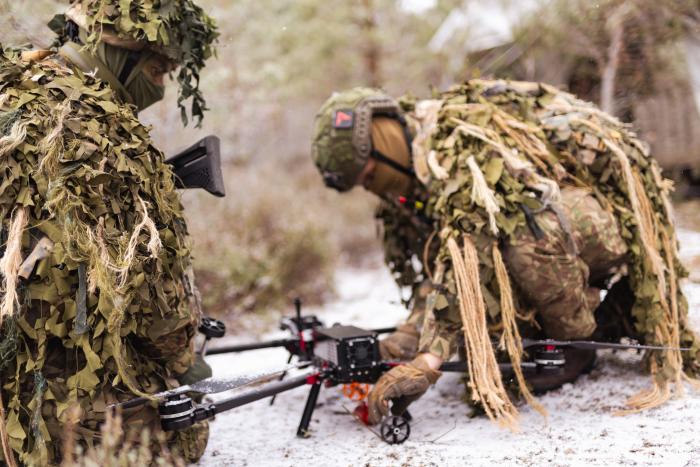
(279, 233)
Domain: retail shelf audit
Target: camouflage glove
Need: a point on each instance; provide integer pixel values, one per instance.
(402, 385)
(199, 370)
(401, 344)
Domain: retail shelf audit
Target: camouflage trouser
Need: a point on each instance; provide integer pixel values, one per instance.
(554, 273)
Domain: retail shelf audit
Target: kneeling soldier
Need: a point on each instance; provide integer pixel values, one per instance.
(508, 207)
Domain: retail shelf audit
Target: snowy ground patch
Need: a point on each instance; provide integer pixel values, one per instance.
(582, 428)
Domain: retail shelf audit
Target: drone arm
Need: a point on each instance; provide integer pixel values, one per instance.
(253, 346)
(506, 368)
(178, 413)
(263, 392)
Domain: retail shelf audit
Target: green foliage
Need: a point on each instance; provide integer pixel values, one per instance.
(263, 272)
(279, 60)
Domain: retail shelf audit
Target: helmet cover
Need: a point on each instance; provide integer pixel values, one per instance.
(342, 140)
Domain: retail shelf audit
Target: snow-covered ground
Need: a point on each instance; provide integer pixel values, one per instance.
(582, 428)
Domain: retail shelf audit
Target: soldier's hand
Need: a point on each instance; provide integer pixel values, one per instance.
(402, 385)
(401, 344)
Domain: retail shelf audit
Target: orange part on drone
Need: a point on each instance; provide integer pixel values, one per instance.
(356, 391)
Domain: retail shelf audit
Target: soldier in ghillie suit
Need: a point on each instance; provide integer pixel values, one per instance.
(508, 207)
(98, 300)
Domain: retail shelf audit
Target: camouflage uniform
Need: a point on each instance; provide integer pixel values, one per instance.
(552, 275)
(109, 309)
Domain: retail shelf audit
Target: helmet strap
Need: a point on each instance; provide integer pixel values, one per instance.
(407, 134)
(131, 61)
(379, 157)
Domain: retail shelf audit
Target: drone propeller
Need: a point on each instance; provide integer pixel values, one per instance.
(592, 345)
(211, 385)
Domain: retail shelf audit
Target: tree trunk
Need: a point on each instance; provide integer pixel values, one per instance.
(616, 28)
(372, 49)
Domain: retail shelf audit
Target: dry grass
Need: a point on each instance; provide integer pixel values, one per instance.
(116, 449)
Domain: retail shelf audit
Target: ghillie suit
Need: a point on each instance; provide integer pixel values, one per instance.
(516, 174)
(98, 302)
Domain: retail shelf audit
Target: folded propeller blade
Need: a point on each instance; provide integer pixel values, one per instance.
(592, 345)
(212, 385)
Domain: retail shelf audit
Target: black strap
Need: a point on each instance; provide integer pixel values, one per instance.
(532, 223)
(131, 60)
(72, 32)
(406, 134)
(392, 163)
(404, 126)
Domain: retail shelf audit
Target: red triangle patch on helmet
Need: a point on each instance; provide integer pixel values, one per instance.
(343, 118)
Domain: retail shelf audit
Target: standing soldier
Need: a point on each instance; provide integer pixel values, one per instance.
(508, 207)
(98, 299)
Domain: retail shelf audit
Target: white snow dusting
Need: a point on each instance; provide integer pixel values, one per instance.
(582, 428)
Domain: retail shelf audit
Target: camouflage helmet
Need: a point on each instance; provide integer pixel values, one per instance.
(342, 141)
(177, 29)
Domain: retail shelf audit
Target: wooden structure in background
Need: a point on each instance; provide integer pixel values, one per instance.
(670, 122)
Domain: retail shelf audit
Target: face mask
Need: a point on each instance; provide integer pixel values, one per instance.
(388, 138)
(143, 91)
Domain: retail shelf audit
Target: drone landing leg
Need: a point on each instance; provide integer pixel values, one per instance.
(303, 431)
(282, 376)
